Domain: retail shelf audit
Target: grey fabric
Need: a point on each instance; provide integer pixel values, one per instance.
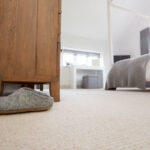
(128, 73)
(91, 82)
(25, 98)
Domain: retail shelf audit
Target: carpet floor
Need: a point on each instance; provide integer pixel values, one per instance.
(83, 120)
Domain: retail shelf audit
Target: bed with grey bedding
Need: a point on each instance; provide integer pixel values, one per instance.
(128, 73)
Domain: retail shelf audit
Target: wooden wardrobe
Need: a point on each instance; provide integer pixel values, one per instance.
(30, 43)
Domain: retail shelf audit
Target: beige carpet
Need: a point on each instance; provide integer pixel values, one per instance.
(83, 120)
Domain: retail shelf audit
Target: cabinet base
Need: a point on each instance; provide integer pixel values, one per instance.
(1, 88)
(54, 89)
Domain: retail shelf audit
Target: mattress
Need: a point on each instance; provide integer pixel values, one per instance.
(148, 72)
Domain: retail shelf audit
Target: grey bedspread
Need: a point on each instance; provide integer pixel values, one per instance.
(128, 73)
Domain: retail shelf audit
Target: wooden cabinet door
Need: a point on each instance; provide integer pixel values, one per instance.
(26, 33)
(18, 22)
(7, 36)
(47, 61)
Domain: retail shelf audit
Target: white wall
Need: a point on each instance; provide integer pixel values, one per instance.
(129, 42)
(84, 26)
(126, 27)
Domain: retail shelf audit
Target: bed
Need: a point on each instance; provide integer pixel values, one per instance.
(148, 72)
(133, 72)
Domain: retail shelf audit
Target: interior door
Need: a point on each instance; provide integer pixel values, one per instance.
(18, 20)
(47, 38)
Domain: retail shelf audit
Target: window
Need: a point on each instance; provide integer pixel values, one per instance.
(80, 58)
(68, 59)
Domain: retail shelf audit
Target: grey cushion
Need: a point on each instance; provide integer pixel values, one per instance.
(25, 100)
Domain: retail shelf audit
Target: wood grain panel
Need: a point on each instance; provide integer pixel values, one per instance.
(26, 37)
(7, 36)
(59, 39)
(47, 37)
(59, 6)
(17, 37)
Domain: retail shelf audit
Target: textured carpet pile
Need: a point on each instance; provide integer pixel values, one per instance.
(83, 120)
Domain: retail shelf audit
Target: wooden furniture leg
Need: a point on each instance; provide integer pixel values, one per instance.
(55, 90)
(113, 89)
(31, 85)
(41, 87)
(1, 88)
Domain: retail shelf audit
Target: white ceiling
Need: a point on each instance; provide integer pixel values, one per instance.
(88, 19)
(84, 18)
(126, 26)
(136, 5)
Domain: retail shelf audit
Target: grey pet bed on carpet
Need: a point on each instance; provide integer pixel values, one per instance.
(25, 100)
